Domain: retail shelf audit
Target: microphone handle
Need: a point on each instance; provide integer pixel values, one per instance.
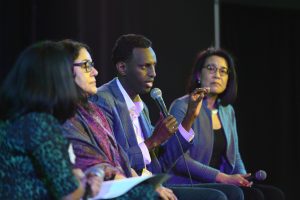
(250, 178)
(162, 107)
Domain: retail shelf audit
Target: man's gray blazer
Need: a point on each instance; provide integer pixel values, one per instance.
(111, 100)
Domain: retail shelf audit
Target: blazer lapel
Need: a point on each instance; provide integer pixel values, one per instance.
(124, 116)
(145, 126)
(224, 120)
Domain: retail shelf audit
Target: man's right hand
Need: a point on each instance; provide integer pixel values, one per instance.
(165, 128)
(194, 106)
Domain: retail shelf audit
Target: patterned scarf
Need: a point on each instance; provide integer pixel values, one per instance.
(103, 135)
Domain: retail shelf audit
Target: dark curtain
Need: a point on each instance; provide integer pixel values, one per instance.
(178, 29)
(265, 42)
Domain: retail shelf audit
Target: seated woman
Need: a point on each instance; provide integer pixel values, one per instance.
(91, 136)
(214, 156)
(38, 94)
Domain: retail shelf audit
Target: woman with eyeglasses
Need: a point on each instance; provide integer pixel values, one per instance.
(36, 97)
(214, 156)
(92, 138)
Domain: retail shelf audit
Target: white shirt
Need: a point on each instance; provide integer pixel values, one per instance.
(135, 109)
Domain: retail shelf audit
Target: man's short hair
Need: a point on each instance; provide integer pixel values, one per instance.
(123, 48)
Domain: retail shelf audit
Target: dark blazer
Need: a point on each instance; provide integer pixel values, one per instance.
(112, 102)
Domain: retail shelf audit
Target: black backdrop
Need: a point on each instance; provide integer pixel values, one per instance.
(178, 30)
(264, 42)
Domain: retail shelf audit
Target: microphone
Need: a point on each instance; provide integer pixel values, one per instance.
(157, 96)
(260, 175)
(93, 171)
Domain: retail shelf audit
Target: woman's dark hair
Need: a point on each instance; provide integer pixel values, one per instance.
(123, 48)
(230, 93)
(40, 81)
(73, 49)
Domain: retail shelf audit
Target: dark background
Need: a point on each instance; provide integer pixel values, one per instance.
(263, 36)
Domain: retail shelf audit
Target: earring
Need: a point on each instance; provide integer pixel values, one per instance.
(197, 76)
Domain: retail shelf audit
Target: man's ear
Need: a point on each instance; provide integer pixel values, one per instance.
(122, 68)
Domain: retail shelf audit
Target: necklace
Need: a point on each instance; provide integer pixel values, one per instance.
(214, 111)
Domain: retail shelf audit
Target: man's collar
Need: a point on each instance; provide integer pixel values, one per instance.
(137, 107)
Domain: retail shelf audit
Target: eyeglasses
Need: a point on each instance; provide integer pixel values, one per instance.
(87, 65)
(223, 71)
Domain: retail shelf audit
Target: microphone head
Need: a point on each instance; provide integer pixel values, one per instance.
(155, 93)
(260, 175)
